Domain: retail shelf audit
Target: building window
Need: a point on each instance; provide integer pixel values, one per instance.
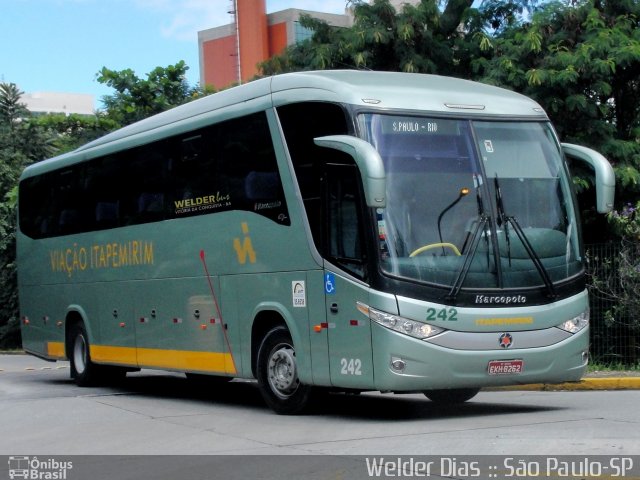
(301, 33)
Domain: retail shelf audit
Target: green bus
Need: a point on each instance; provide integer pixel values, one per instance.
(339, 229)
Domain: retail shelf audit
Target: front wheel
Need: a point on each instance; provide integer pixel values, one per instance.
(451, 396)
(277, 372)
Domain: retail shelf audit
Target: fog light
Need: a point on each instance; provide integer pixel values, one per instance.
(398, 364)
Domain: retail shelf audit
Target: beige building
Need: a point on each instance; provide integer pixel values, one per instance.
(55, 102)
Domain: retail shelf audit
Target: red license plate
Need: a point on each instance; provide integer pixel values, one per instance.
(505, 367)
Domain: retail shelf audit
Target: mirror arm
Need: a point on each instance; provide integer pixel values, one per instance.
(605, 176)
(368, 161)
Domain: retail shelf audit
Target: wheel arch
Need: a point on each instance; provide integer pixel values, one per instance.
(266, 317)
(75, 315)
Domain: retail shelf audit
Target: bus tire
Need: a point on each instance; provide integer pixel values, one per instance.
(277, 372)
(83, 370)
(451, 396)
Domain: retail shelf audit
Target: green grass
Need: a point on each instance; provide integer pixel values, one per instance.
(596, 366)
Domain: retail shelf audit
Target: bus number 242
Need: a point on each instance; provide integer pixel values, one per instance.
(350, 366)
(450, 314)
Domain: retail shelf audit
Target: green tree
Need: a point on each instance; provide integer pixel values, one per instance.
(581, 60)
(75, 130)
(421, 38)
(617, 281)
(21, 143)
(136, 98)
(432, 36)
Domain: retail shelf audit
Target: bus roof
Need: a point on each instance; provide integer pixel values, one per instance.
(413, 91)
(366, 89)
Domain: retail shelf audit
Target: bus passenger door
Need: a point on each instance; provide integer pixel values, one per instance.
(349, 331)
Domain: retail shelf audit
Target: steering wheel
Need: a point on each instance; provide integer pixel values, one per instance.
(431, 246)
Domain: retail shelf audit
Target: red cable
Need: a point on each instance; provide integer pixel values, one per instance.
(215, 301)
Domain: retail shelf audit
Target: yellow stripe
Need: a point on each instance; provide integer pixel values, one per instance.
(56, 350)
(505, 321)
(217, 362)
(105, 354)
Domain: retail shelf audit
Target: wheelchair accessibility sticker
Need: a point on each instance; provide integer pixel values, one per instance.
(329, 283)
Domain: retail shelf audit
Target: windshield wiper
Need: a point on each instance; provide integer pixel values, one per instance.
(505, 219)
(502, 217)
(481, 226)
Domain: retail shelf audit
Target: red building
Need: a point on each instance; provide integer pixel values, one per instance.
(230, 53)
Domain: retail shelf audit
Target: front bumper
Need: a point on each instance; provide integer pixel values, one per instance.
(428, 366)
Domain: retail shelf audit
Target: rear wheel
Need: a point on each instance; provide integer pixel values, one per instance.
(83, 370)
(277, 372)
(451, 396)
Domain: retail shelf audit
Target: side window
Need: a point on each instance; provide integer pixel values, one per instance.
(150, 179)
(195, 176)
(301, 123)
(227, 166)
(105, 184)
(36, 206)
(53, 204)
(248, 172)
(344, 218)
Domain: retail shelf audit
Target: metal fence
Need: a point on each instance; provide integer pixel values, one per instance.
(614, 341)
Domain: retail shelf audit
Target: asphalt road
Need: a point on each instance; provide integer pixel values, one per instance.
(43, 413)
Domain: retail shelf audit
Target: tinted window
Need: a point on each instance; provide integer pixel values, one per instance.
(228, 166)
(344, 224)
(301, 123)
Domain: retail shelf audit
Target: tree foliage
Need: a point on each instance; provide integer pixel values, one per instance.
(136, 98)
(581, 61)
(617, 281)
(72, 131)
(21, 143)
(421, 38)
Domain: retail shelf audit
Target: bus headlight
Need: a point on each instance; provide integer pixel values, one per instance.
(576, 324)
(396, 323)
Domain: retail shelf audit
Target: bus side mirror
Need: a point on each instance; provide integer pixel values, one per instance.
(605, 177)
(368, 161)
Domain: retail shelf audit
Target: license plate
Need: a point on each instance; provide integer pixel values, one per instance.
(505, 367)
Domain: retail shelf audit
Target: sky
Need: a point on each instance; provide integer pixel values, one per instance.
(61, 45)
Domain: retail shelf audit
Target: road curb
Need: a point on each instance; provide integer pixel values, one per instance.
(586, 384)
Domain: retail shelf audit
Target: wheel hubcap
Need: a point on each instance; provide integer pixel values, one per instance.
(283, 376)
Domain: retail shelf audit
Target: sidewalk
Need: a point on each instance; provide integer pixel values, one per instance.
(592, 381)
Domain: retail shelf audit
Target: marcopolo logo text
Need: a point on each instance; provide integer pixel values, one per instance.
(500, 299)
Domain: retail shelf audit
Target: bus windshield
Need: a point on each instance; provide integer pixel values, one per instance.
(482, 204)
